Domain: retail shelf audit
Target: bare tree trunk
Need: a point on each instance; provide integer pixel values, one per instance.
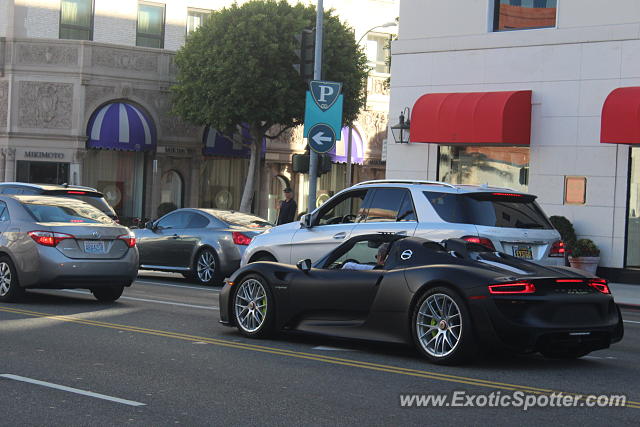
(254, 165)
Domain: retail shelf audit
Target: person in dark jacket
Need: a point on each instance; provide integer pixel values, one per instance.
(288, 208)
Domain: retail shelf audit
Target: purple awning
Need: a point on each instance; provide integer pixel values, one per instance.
(121, 126)
(218, 144)
(339, 152)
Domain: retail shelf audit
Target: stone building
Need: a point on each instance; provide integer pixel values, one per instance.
(84, 99)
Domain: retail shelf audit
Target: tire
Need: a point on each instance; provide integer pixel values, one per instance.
(574, 353)
(107, 294)
(253, 307)
(443, 334)
(10, 290)
(206, 268)
(264, 257)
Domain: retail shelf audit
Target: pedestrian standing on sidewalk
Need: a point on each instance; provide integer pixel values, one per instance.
(288, 208)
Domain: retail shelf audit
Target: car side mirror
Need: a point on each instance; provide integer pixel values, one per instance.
(305, 221)
(304, 265)
(150, 225)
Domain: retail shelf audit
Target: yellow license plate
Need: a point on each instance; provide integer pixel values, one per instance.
(523, 252)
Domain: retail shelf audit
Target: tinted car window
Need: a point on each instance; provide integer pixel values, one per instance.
(174, 220)
(240, 219)
(62, 211)
(489, 209)
(4, 212)
(407, 212)
(342, 210)
(385, 205)
(96, 200)
(197, 221)
(11, 190)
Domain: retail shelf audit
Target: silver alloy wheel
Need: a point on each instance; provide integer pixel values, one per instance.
(439, 325)
(5, 278)
(251, 305)
(206, 266)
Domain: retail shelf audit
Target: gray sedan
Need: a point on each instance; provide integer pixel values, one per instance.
(203, 244)
(51, 242)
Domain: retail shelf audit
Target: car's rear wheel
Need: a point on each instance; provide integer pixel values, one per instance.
(206, 268)
(107, 293)
(253, 307)
(10, 289)
(442, 328)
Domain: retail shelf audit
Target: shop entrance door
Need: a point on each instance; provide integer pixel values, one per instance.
(633, 213)
(42, 172)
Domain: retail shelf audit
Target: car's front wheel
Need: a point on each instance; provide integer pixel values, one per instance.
(441, 327)
(253, 307)
(108, 294)
(10, 289)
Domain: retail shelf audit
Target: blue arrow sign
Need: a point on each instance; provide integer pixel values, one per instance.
(314, 115)
(322, 138)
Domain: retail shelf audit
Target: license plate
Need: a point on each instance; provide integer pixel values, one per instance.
(94, 247)
(523, 252)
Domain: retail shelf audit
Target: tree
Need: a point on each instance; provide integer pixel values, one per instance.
(237, 69)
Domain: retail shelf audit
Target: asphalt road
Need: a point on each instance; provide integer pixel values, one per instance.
(159, 357)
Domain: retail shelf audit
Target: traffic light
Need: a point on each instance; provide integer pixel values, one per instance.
(305, 53)
(300, 163)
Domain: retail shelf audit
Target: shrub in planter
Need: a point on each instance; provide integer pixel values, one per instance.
(585, 255)
(565, 228)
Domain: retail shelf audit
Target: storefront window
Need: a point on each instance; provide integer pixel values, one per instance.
(222, 182)
(42, 172)
(119, 176)
(633, 218)
(497, 166)
(171, 189)
(524, 14)
(328, 184)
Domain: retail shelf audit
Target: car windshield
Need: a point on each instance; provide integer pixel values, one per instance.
(94, 199)
(240, 219)
(503, 210)
(71, 211)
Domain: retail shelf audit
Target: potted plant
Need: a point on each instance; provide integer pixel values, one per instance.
(566, 230)
(585, 255)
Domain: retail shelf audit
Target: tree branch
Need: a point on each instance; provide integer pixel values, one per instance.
(283, 130)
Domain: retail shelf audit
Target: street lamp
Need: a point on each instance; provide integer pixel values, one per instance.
(401, 130)
(388, 24)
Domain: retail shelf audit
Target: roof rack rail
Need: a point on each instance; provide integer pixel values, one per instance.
(407, 181)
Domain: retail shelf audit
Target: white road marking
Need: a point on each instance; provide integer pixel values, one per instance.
(631, 321)
(329, 348)
(148, 282)
(72, 390)
(213, 307)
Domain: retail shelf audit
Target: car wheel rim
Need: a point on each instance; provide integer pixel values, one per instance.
(251, 305)
(5, 279)
(206, 266)
(439, 325)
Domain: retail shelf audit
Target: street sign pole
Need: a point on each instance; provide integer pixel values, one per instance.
(317, 75)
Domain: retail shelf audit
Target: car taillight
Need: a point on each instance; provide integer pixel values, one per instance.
(76, 192)
(240, 239)
(557, 249)
(480, 240)
(48, 238)
(129, 239)
(600, 285)
(512, 288)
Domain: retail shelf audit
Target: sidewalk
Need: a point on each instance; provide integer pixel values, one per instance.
(626, 295)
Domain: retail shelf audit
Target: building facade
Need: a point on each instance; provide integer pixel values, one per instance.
(535, 95)
(84, 99)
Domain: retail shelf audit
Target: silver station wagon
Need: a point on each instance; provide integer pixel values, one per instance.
(56, 243)
(504, 220)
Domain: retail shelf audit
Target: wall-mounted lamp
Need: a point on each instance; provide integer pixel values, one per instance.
(401, 130)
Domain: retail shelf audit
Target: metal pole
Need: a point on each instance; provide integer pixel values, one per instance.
(317, 75)
(349, 156)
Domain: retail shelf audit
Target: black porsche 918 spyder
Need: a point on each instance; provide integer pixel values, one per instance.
(449, 300)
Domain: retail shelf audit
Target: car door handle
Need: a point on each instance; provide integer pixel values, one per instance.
(340, 235)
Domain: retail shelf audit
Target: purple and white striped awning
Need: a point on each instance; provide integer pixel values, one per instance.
(339, 152)
(121, 126)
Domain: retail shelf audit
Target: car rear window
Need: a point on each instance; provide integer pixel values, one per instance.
(94, 199)
(240, 219)
(503, 210)
(62, 211)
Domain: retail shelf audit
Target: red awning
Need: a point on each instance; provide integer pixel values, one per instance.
(621, 117)
(502, 118)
